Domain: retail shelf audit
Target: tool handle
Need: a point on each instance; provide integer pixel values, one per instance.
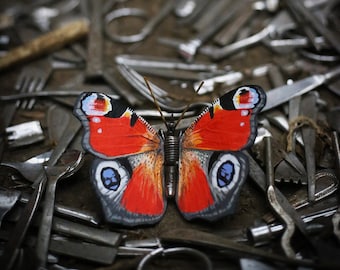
(44, 44)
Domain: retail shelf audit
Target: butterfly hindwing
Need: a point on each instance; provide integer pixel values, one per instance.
(130, 189)
(212, 168)
(210, 183)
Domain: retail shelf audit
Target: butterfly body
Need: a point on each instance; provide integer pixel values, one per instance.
(171, 159)
(138, 168)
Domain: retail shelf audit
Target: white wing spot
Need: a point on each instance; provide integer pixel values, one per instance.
(96, 119)
(244, 112)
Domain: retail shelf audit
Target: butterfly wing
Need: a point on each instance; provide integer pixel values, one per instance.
(112, 129)
(127, 173)
(129, 189)
(212, 170)
(210, 183)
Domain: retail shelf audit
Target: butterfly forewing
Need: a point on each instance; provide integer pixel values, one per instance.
(113, 130)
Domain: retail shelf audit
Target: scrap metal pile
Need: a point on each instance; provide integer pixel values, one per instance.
(288, 213)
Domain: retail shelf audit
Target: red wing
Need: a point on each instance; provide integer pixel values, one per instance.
(144, 192)
(112, 129)
(210, 183)
(193, 193)
(229, 124)
(130, 189)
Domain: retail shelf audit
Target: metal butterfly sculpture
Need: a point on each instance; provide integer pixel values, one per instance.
(138, 168)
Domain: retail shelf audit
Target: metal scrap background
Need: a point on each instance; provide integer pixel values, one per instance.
(258, 64)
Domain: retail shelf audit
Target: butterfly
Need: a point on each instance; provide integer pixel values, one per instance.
(137, 168)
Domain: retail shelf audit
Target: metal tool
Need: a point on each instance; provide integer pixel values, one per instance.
(326, 185)
(229, 33)
(62, 210)
(86, 233)
(69, 133)
(54, 173)
(276, 206)
(336, 217)
(33, 78)
(90, 252)
(233, 249)
(24, 134)
(7, 200)
(247, 263)
(264, 233)
(30, 168)
(148, 28)
(317, 25)
(282, 94)
(229, 78)
(185, 8)
(189, 49)
(309, 110)
(280, 24)
(94, 65)
(11, 249)
(164, 252)
(290, 169)
(18, 234)
(143, 61)
(165, 102)
(214, 9)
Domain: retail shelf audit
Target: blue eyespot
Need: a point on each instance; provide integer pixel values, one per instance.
(110, 178)
(225, 174)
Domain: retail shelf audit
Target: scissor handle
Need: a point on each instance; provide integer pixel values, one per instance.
(176, 250)
(136, 12)
(120, 13)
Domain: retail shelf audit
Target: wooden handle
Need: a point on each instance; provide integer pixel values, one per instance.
(46, 43)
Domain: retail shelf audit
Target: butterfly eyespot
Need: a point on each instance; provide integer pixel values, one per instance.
(110, 178)
(225, 170)
(225, 173)
(245, 98)
(96, 104)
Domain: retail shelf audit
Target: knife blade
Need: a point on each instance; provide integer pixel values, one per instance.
(282, 94)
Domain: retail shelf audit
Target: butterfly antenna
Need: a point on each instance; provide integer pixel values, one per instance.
(155, 101)
(188, 105)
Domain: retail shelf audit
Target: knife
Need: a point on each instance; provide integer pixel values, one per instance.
(282, 94)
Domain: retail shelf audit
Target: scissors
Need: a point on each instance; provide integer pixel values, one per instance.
(136, 12)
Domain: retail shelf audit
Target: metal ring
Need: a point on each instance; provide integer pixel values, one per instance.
(177, 250)
(124, 12)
